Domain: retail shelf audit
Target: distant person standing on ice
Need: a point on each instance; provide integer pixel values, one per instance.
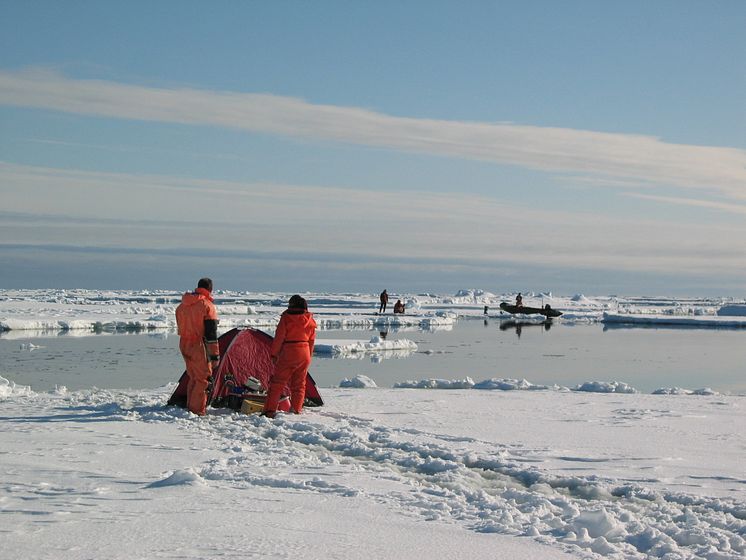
(384, 301)
(292, 349)
(197, 323)
(519, 300)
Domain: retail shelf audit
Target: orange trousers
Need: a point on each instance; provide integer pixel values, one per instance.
(291, 370)
(199, 371)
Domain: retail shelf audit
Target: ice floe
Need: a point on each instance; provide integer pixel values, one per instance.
(376, 344)
(605, 387)
(358, 382)
(466, 383)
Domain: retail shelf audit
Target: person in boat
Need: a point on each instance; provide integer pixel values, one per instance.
(292, 349)
(384, 297)
(519, 300)
(197, 324)
(398, 306)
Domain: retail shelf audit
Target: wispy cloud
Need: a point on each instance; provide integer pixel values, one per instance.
(121, 148)
(605, 156)
(109, 210)
(697, 203)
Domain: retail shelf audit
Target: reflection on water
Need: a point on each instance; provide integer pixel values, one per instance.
(542, 353)
(334, 326)
(518, 326)
(26, 334)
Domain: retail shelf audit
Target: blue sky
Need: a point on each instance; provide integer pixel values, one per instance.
(593, 147)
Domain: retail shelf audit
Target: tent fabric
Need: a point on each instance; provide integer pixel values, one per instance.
(244, 353)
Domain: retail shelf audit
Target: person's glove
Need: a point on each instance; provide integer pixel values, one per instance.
(213, 353)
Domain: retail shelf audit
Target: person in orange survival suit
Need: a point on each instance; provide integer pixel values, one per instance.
(197, 322)
(292, 349)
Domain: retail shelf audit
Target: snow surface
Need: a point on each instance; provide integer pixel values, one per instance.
(376, 473)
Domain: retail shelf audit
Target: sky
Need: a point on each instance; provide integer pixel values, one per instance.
(570, 147)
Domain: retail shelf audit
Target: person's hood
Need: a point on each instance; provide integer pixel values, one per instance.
(299, 318)
(190, 298)
(298, 314)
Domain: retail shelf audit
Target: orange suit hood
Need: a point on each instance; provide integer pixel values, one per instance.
(194, 309)
(294, 327)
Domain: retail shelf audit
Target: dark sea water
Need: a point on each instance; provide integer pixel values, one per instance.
(567, 355)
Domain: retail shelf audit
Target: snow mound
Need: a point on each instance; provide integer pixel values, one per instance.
(600, 523)
(679, 391)
(178, 478)
(357, 382)
(605, 387)
(473, 293)
(466, 383)
(509, 385)
(470, 296)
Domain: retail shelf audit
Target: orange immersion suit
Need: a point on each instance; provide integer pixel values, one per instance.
(292, 349)
(197, 319)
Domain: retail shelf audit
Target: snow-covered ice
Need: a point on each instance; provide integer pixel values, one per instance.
(376, 473)
(358, 382)
(466, 383)
(701, 321)
(117, 311)
(375, 345)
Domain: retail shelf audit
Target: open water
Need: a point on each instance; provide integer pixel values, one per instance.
(567, 355)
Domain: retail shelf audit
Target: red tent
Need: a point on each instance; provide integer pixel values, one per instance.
(244, 353)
